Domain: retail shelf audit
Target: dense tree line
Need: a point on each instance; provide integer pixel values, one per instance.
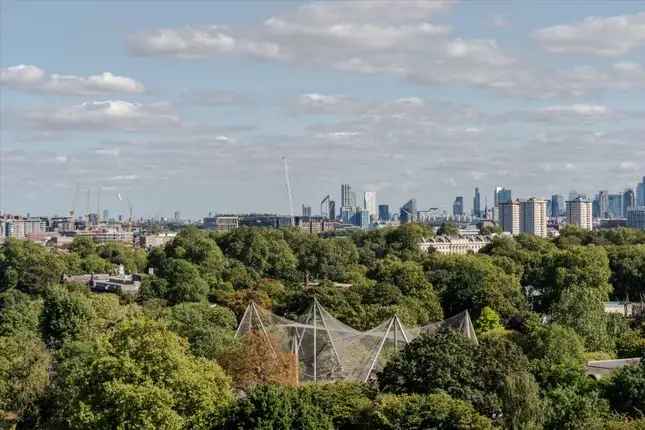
(168, 358)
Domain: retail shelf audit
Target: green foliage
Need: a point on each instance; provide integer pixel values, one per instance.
(209, 330)
(19, 314)
(473, 282)
(445, 361)
(65, 315)
(420, 412)
(626, 390)
(627, 263)
(573, 408)
(273, 407)
(140, 373)
(488, 320)
(343, 402)
(29, 267)
(448, 229)
(556, 353)
(183, 282)
(24, 372)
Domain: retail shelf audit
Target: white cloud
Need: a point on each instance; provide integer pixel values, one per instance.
(108, 114)
(608, 36)
(33, 78)
(578, 109)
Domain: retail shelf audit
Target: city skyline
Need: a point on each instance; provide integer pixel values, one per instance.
(191, 109)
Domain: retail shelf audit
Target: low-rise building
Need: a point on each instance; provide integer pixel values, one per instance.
(221, 223)
(455, 245)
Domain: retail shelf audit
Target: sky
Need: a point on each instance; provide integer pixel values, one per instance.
(191, 106)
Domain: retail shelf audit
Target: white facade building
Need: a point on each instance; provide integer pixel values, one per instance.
(369, 201)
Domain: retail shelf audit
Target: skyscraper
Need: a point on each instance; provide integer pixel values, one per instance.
(603, 204)
(346, 196)
(579, 213)
(629, 201)
(383, 213)
(477, 204)
(306, 211)
(332, 209)
(557, 206)
(640, 193)
(458, 206)
(369, 204)
(408, 212)
(615, 207)
(533, 217)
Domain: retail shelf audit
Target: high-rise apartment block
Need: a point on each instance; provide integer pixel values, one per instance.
(636, 218)
(306, 211)
(533, 217)
(523, 216)
(580, 213)
(509, 216)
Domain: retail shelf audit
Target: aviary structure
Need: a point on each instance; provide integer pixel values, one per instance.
(328, 350)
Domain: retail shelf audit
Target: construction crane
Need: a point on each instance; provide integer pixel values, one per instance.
(325, 213)
(288, 183)
(74, 201)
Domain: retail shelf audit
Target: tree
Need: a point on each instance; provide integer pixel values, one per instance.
(139, 375)
(185, 284)
(443, 361)
(24, 373)
(84, 246)
(272, 407)
(448, 229)
(573, 408)
(28, 266)
(471, 282)
(626, 390)
(257, 359)
(343, 402)
(65, 315)
(209, 330)
(19, 314)
(420, 412)
(488, 320)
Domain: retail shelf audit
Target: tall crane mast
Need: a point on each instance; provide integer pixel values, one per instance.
(288, 183)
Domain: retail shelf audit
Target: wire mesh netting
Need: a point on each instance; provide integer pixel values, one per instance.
(325, 349)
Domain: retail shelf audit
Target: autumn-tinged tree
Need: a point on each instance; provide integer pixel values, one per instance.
(258, 359)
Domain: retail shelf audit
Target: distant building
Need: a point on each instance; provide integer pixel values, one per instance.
(369, 204)
(221, 223)
(348, 198)
(509, 217)
(177, 216)
(362, 219)
(408, 212)
(579, 213)
(332, 209)
(458, 207)
(615, 206)
(603, 204)
(383, 213)
(455, 245)
(629, 201)
(640, 193)
(306, 211)
(477, 204)
(315, 225)
(636, 218)
(557, 206)
(102, 235)
(502, 195)
(533, 217)
(347, 214)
